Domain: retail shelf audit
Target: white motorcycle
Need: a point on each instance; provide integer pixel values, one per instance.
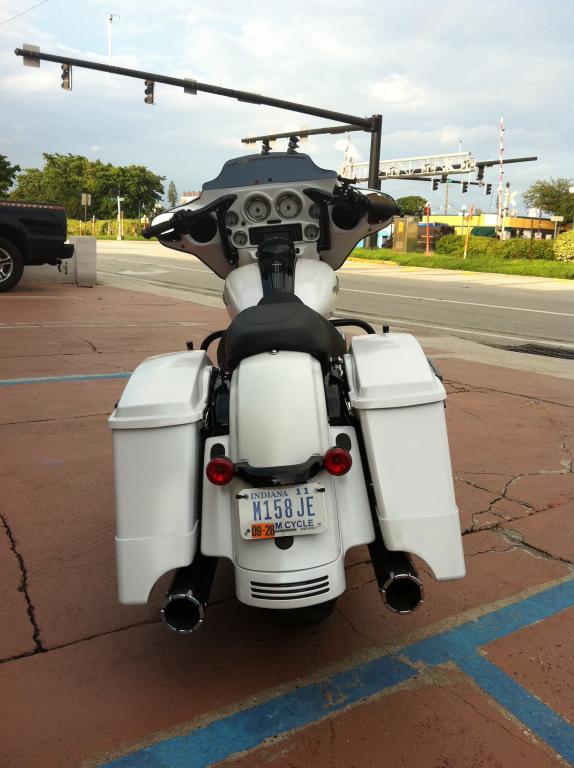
(293, 448)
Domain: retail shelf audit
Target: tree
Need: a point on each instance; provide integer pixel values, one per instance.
(7, 175)
(413, 205)
(65, 177)
(552, 196)
(171, 195)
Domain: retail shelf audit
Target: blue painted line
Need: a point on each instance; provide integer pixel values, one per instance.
(58, 379)
(492, 626)
(540, 718)
(248, 728)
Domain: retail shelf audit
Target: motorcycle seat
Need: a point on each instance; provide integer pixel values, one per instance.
(280, 322)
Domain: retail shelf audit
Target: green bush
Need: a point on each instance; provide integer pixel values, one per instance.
(564, 246)
(450, 244)
(104, 227)
(515, 248)
(520, 248)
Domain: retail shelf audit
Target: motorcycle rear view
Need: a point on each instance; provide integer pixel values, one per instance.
(289, 447)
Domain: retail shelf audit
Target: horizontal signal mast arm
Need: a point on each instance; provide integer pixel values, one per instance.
(506, 161)
(302, 133)
(364, 123)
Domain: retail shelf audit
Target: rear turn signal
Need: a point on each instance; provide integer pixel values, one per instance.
(220, 470)
(337, 461)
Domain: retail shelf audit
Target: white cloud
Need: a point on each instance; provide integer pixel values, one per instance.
(399, 93)
(437, 73)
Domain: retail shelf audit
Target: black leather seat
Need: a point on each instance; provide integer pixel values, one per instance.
(279, 322)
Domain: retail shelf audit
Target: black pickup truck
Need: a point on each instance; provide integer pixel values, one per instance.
(30, 234)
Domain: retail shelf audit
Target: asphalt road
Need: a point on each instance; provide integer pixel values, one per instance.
(494, 309)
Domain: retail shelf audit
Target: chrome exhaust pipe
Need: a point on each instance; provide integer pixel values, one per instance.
(403, 590)
(397, 577)
(186, 601)
(183, 612)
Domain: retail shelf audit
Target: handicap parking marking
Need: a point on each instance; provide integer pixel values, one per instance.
(311, 703)
(250, 727)
(463, 647)
(60, 379)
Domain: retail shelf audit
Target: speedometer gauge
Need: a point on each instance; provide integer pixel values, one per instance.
(288, 206)
(257, 208)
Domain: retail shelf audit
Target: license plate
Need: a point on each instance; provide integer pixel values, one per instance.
(267, 513)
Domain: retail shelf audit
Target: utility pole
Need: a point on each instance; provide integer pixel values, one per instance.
(505, 210)
(446, 197)
(111, 18)
(499, 222)
(120, 235)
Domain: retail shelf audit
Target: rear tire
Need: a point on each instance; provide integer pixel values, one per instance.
(308, 616)
(11, 265)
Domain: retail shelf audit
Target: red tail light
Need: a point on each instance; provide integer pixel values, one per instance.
(337, 461)
(220, 470)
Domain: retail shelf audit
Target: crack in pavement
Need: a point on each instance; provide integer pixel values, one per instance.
(23, 588)
(484, 390)
(517, 540)
(55, 418)
(502, 495)
(96, 635)
(569, 463)
(533, 742)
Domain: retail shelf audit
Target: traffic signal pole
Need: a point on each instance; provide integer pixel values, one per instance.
(374, 181)
(193, 86)
(372, 125)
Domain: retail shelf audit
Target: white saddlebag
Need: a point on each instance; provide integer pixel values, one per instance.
(400, 403)
(156, 445)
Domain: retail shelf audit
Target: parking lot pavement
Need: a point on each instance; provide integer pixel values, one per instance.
(482, 674)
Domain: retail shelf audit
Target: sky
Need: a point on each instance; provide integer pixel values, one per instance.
(439, 72)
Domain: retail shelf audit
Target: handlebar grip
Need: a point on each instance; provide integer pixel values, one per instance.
(157, 229)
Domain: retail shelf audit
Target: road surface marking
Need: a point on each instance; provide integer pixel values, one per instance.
(311, 703)
(453, 301)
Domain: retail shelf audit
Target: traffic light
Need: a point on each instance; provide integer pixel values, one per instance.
(293, 145)
(480, 173)
(488, 189)
(435, 184)
(465, 186)
(67, 77)
(149, 85)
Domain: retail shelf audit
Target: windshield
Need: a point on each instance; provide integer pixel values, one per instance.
(274, 168)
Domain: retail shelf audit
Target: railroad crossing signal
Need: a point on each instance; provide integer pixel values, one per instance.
(67, 77)
(149, 86)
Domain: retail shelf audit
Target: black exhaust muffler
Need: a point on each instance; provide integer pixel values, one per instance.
(184, 609)
(397, 578)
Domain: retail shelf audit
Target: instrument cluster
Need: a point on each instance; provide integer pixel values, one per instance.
(258, 210)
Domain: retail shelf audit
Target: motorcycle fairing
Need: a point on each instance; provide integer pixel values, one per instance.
(271, 177)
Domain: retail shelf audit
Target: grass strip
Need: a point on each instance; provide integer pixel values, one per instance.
(536, 267)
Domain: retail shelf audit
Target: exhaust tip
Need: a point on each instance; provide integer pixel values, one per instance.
(183, 612)
(403, 592)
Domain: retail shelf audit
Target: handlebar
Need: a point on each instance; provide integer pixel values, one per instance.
(157, 229)
(183, 220)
